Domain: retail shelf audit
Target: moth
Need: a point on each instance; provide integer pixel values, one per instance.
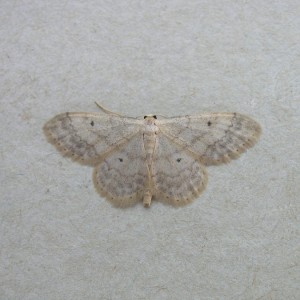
(152, 157)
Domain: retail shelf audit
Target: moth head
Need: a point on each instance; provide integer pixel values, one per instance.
(150, 117)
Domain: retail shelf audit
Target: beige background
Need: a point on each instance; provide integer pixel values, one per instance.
(59, 238)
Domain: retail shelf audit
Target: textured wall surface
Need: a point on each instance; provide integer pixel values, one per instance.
(60, 239)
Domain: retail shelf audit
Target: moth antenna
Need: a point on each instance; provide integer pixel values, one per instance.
(107, 111)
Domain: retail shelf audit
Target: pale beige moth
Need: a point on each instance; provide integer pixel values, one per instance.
(153, 157)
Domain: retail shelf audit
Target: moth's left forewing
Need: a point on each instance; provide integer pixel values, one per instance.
(89, 137)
